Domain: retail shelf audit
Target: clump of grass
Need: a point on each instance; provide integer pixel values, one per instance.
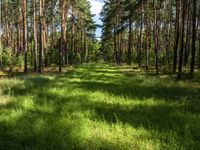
(99, 106)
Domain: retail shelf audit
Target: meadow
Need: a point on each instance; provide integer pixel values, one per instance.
(99, 106)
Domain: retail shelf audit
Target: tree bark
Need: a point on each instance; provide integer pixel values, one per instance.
(147, 40)
(193, 38)
(156, 37)
(41, 38)
(177, 34)
(182, 41)
(45, 35)
(63, 34)
(35, 35)
(141, 40)
(25, 32)
(130, 41)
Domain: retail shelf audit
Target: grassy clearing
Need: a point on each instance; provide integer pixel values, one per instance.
(99, 107)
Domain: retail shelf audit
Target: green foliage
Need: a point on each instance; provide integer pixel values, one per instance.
(108, 51)
(99, 107)
(7, 57)
(19, 60)
(77, 58)
(94, 51)
(53, 55)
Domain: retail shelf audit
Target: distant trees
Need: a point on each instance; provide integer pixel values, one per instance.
(46, 32)
(61, 32)
(153, 32)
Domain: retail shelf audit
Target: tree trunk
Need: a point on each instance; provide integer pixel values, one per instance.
(25, 40)
(115, 45)
(182, 41)
(188, 33)
(52, 26)
(193, 38)
(41, 38)
(45, 35)
(156, 37)
(35, 35)
(147, 40)
(177, 26)
(141, 31)
(198, 27)
(63, 34)
(130, 42)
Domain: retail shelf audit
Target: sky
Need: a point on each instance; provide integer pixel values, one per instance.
(96, 9)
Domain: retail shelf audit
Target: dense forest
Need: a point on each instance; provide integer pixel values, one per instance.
(152, 32)
(40, 33)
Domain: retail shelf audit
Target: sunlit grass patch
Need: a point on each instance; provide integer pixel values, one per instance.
(99, 106)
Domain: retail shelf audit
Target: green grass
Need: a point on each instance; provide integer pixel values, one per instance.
(99, 106)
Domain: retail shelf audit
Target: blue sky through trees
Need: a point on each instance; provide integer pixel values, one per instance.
(96, 9)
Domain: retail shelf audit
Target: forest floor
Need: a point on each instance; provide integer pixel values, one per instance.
(99, 106)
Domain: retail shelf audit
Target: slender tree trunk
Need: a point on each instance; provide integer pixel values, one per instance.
(147, 40)
(188, 33)
(45, 35)
(182, 41)
(156, 37)
(41, 38)
(1, 46)
(66, 37)
(130, 41)
(141, 41)
(120, 47)
(115, 46)
(25, 40)
(198, 27)
(193, 37)
(177, 26)
(63, 34)
(52, 26)
(199, 55)
(35, 35)
(18, 37)
(168, 36)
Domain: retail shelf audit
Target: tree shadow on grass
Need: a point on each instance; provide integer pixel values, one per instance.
(136, 87)
(138, 91)
(164, 121)
(29, 85)
(49, 124)
(53, 124)
(59, 128)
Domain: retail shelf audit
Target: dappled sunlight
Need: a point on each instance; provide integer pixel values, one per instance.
(93, 108)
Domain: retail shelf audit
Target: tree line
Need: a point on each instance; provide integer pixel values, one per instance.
(39, 33)
(152, 32)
